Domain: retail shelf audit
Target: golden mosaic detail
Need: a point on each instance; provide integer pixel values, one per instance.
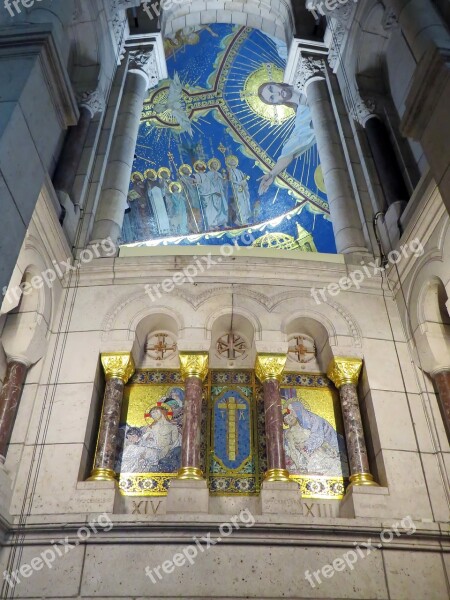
(118, 364)
(145, 484)
(194, 364)
(270, 366)
(330, 488)
(344, 370)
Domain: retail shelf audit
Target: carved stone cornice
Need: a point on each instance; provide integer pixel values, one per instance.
(344, 370)
(363, 110)
(194, 364)
(118, 364)
(143, 62)
(270, 366)
(93, 101)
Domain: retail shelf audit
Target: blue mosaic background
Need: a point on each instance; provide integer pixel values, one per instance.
(215, 67)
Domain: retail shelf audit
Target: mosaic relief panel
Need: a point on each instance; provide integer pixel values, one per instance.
(316, 454)
(209, 137)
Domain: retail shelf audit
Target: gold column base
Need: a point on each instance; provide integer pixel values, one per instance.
(190, 473)
(277, 475)
(102, 475)
(362, 479)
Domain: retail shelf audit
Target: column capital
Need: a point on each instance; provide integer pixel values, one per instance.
(143, 62)
(194, 364)
(344, 370)
(310, 68)
(363, 109)
(93, 100)
(18, 358)
(118, 364)
(270, 366)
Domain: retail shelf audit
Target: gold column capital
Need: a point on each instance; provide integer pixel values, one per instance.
(270, 366)
(344, 370)
(194, 364)
(118, 364)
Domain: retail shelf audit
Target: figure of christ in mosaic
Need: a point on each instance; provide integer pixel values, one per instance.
(312, 445)
(156, 201)
(195, 212)
(162, 441)
(213, 202)
(302, 137)
(239, 191)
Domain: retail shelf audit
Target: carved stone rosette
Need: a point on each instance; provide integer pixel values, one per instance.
(118, 367)
(269, 369)
(194, 368)
(344, 373)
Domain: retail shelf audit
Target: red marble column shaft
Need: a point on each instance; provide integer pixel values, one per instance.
(9, 402)
(276, 457)
(105, 455)
(354, 433)
(442, 381)
(192, 418)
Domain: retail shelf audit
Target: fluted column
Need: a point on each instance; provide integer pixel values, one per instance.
(442, 381)
(269, 369)
(118, 368)
(310, 80)
(344, 373)
(142, 75)
(90, 104)
(194, 368)
(385, 159)
(10, 395)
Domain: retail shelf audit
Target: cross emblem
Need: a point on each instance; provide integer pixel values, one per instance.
(302, 349)
(232, 345)
(160, 348)
(231, 406)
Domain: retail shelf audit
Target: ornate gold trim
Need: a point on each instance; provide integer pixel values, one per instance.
(362, 479)
(190, 473)
(270, 366)
(118, 364)
(102, 475)
(344, 370)
(194, 364)
(277, 475)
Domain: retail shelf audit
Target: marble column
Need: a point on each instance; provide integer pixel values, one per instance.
(194, 368)
(269, 369)
(142, 75)
(69, 160)
(385, 159)
(10, 394)
(347, 227)
(118, 368)
(344, 373)
(442, 382)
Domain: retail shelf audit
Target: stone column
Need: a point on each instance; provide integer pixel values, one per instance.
(268, 369)
(118, 367)
(194, 368)
(310, 80)
(90, 104)
(442, 382)
(142, 75)
(344, 373)
(10, 394)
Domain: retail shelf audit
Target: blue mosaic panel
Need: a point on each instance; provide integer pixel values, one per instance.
(209, 136)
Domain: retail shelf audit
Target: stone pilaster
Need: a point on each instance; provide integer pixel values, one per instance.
(269, 369)
(194, 368)
(118, 368)
(10, 394)
(344, 373)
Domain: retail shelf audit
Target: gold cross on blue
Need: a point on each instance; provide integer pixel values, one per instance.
(232, 406)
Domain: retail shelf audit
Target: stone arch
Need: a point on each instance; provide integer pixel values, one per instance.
(274, 17)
